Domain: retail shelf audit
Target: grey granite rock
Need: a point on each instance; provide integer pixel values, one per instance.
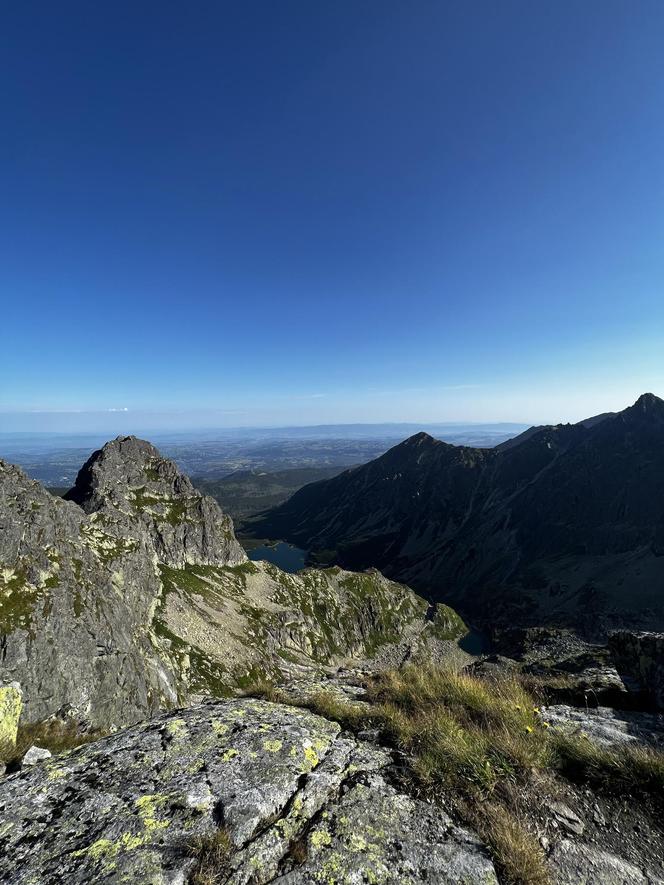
(373, 833)
(578, 864)
(607, 727)
(35, 755)
(129, 807)
(641, 656)
(76, 602)
(567, 818)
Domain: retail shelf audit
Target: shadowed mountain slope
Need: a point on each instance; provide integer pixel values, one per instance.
(564, 524)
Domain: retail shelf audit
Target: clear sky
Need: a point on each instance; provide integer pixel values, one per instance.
(302, 212)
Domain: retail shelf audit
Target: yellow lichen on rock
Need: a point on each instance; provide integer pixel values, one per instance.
(11, 704)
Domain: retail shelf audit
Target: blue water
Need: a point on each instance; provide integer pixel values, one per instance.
(475, 643)
(285, 556)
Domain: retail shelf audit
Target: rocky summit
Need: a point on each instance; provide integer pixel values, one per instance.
(132, 595)
(128, 485)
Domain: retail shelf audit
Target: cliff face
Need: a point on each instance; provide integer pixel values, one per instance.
(133, 595)
(76, 597)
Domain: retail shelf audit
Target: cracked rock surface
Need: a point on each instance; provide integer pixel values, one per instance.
(126, 808)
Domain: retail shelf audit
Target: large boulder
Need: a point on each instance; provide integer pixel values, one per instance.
(641, 657)
(137, 807)
(607, 727)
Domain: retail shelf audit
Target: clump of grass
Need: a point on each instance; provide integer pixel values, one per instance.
(516, 851)
(461, 731)
(468, 737)
(261, 687)
(333, 705)
(54, 735)
(632, 768)
(212, 853)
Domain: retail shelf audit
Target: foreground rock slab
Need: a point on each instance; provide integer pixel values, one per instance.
(129, 807)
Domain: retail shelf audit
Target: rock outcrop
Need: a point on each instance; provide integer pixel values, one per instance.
(134, 596)
(298, 800)
(607, 727)
(641, 657)
(130, 486)
(11, 704)
(76, 604)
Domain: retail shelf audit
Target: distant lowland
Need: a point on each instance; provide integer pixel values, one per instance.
(252, 462)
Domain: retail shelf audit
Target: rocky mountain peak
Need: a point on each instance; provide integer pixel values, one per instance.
(130, 485)
(420, 439)
(123, 463)
(648, 402)
(648, 409)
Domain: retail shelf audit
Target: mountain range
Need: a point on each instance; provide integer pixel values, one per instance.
(173, 713)
(563, 524)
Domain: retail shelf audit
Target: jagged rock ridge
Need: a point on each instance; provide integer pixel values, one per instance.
(129, 483)
(561, 525)
(133, 595)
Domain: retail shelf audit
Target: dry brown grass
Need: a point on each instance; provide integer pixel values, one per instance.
(479, 743)
(212, 853)
(516, 851)
(53, 735)
(263, 688)
(467, 738)
(632, 769)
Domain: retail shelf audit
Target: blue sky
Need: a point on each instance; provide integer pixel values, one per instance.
(296, 212)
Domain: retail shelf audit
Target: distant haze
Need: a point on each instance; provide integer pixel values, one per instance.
(419, 408)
